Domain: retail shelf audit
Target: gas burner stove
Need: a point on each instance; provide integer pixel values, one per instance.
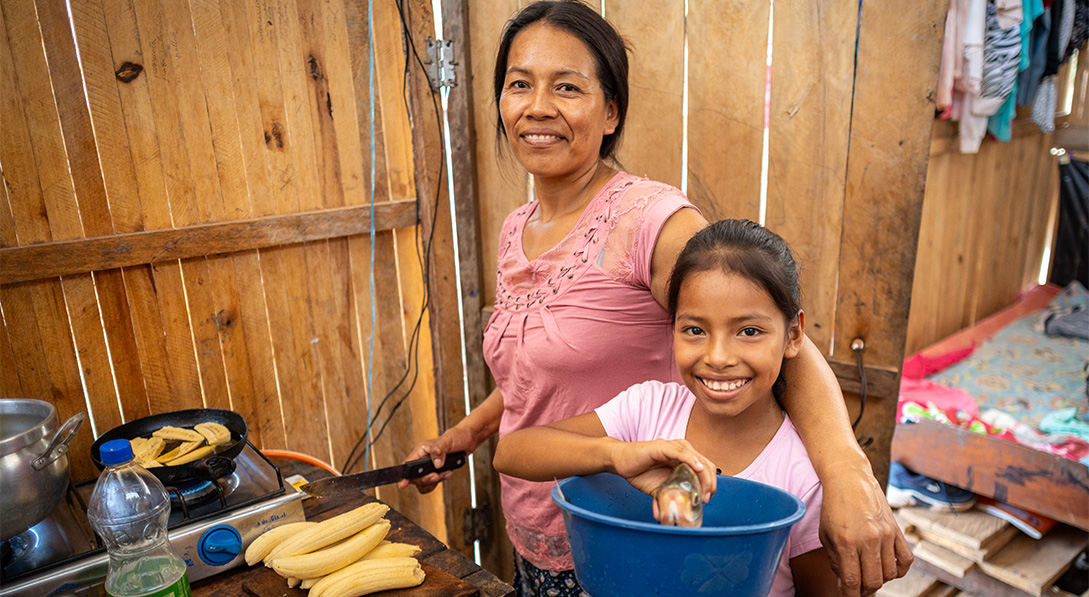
(211, 524)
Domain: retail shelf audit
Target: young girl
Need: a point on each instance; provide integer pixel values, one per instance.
(733, 299)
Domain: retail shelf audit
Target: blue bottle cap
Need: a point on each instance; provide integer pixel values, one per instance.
(115, 451)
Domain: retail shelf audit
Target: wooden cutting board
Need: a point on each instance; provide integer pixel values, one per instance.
(264, 582)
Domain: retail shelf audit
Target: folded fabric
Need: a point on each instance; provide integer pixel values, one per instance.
(1062, 443)
(1065, 421)
(1074, 325)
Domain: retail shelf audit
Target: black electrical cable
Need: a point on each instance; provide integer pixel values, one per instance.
(858, 346)
(424, 260)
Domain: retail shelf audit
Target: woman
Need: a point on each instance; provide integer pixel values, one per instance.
(582, 283)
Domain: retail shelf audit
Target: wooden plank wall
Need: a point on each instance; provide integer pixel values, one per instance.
(212, 118)
(987, 218)
(849, 124)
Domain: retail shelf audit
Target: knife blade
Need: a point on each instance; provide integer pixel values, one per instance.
(382, 476)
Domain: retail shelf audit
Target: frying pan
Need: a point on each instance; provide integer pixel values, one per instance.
(211, 467)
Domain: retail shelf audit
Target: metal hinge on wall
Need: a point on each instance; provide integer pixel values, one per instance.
(478, 524)
(440, 63)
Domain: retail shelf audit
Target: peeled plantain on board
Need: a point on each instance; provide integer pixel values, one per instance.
(344, 556)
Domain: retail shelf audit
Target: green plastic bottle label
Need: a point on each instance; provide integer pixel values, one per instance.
(180, 588)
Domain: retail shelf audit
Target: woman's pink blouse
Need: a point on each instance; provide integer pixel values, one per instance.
(573, 328)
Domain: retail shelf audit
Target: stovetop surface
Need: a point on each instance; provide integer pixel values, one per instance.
(65, 535)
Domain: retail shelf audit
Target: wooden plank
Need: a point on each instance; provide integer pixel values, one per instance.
(42, 341)
(1033, 565)
(1038, 204)
(947, 560)
(1049, 485)
(116, 27)
(260, 69)
(119, 178)
(90, 192)
(923, 317)
(913, 584)
(726, 82)
(975, 582)
(212, 132)
(877, 256)
(887, 170)
(915, 535)
(812, 80)
(338, 154)
(168, 48)
(972, 528)
(48, 260)
(652, 142)
(307, 279)
(1072, 137)
(443, 345)
(403, 331)
(464, 144)
(42, 120)
(9, 373)
(248, 114)
(881, 381)
(502, 184)
(344, 84)
(371, 341)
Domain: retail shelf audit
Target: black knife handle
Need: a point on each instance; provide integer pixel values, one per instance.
(424, 466)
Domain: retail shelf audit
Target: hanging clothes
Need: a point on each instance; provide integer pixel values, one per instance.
(1071, 258)
(1029, 79)
(1001, 59)
(1080, 32)
(1000, 123)
(1043, 106)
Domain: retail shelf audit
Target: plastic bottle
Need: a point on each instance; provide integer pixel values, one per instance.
(129, 509)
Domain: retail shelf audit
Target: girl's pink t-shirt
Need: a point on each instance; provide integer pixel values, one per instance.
(656, 410)
(573, 328)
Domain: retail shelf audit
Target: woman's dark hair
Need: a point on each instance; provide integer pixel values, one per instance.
(605, 44)
(749, 250)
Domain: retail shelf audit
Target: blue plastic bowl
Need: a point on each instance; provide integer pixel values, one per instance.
(619, 549)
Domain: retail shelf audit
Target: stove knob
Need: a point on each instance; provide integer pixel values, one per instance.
(219, 545)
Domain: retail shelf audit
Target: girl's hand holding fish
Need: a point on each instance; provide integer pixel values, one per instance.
(647, 465)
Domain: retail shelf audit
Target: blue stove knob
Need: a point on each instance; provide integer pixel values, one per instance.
(219, 545)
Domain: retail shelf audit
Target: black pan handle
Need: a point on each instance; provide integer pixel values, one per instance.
(212, 468)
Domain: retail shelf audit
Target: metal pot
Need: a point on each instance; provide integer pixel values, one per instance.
(33, 462)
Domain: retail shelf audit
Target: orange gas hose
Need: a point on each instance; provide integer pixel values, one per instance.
(300, 457)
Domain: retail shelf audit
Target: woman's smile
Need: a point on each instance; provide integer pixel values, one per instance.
(538, 139)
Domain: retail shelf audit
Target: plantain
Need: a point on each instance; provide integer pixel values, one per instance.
(180, 450)
(329, 531)
(324, 561)
(178, 434)
(190, 456)
(214, 433)
(147, 449)
(370, 576)
(271, 538)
